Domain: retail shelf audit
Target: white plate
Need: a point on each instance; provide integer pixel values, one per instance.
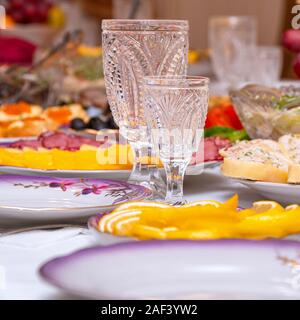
(41, 199)
(103, 174)
(281, 192)
(223, 269)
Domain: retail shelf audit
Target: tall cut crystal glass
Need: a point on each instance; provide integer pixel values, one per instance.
(232, 40)
(133, 49)
(177, 109)
(267, 65)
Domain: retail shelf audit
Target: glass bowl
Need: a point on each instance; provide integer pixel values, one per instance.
(268, 113)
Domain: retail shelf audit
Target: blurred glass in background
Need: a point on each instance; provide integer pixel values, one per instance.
(267, 65)
(232, 41)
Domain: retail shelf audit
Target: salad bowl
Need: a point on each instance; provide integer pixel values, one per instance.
(268, 113)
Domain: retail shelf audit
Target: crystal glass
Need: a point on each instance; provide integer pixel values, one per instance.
(232, 41)
(176, 108)
(133, 49)
(267, 65)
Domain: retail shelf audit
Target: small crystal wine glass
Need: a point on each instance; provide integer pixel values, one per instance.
(176, 108)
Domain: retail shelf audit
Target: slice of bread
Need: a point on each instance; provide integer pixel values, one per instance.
(259, 160)
(291, 147)
(253, 171)
(294, 173)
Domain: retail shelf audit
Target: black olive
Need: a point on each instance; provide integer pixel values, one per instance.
(112, 124)
(78, 124)
(97, 124)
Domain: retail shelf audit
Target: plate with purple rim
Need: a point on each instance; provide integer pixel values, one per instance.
(217, 269)
(45, 199)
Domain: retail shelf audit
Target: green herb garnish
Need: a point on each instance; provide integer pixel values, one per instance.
(227, 133)
(287, 102)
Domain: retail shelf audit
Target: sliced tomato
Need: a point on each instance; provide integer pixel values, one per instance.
(217, 117)
(235, 121)
(224, 116)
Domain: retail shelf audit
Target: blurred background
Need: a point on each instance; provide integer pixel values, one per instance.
(50, 51)
(273, 17)
(51, 56)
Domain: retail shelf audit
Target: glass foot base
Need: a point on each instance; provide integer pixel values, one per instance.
(151, 180)
(176, 203)
(147, 174)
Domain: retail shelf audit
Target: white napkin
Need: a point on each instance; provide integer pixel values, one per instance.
(40, 238)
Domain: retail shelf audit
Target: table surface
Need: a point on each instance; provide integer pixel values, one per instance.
(21, 255)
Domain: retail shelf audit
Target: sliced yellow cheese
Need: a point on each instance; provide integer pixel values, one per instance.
(63, 160)
(11, 157)
(37, 159)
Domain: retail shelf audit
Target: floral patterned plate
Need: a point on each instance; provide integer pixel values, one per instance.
(42, 199)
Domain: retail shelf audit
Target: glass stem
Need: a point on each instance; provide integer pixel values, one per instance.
(140, 169)
(175, 175)
(145, 173)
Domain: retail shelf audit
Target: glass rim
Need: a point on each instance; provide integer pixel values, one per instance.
(176, 81)
(144, 25)
(270, 48)
(231, 18)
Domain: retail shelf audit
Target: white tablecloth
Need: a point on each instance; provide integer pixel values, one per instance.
(22, 254)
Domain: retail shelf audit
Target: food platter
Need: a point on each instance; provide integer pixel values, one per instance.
(269, 167)
(63, 154)
(203, 220)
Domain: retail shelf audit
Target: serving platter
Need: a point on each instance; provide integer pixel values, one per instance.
(281, 192)
(219, 269)
(103, 174)
(42, 199)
